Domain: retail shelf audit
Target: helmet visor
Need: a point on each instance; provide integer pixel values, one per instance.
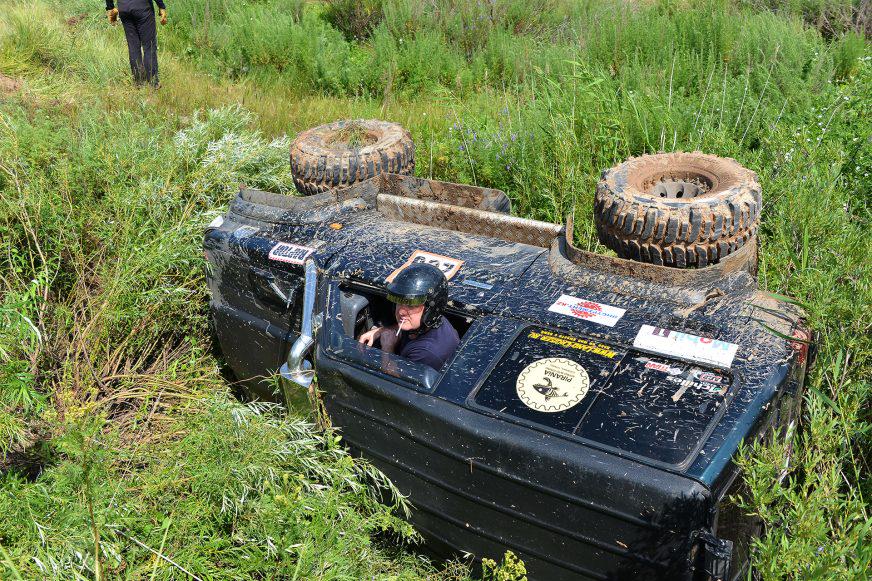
(407, 300)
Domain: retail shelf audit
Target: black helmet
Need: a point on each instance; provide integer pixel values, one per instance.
(421, 284)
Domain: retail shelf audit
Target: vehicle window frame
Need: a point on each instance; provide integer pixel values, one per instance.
(372, 360)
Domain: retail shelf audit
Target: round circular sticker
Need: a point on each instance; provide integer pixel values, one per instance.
(554, 384)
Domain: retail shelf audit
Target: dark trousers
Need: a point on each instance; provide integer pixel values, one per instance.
(141, 33)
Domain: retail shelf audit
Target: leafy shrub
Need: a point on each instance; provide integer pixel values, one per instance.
(831, 17)
(356, 19)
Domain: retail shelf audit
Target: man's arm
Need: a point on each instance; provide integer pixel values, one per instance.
(387, 335)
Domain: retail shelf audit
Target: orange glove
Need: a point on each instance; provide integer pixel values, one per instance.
(163, 16)
(113, 16)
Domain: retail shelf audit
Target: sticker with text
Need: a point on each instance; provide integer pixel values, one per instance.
(685, 378)
(572, 342)
(290, 253)
(685, 346)
(663, 367)
(449, 266)
(684, 383)
(588, 310)
(554, 384)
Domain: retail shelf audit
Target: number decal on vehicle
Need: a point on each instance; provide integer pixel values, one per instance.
(291, 253)
(449, 266)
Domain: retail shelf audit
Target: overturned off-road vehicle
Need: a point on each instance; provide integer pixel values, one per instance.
(589, 418)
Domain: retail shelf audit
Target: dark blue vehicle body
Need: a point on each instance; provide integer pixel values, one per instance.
(630, 482)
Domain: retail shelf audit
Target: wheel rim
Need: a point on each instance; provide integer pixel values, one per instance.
(681, 188)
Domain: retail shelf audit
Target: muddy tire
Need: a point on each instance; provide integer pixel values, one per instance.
(677, 209)
(342, 153)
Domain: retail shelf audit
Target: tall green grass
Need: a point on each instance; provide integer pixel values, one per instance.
(150, 468)
(106, 373)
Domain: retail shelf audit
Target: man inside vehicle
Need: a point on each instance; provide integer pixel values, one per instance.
(422, 333)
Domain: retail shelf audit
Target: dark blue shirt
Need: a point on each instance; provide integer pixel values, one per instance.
(134, 5)
(434, 347)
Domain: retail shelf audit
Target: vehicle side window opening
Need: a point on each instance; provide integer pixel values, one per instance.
(367, 309)
(362, 310)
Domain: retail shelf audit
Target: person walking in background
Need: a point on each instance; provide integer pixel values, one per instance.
(137, 17)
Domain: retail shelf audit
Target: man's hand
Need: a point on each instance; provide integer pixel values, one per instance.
(387, 335)
(163, 16)
(112, 15)
(370, 336)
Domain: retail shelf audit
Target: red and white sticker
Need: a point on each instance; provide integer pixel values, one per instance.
(290, 253)
(663, 368)
(449, 266)
(686, 346)
(588, 310)
(708, 377)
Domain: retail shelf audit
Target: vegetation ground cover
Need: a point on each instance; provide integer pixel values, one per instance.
(129, 456)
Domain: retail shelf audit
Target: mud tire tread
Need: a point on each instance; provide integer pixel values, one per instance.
(688, 233)
(317, 168)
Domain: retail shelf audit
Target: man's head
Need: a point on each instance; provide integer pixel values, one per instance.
(409, 316)
(420, 292)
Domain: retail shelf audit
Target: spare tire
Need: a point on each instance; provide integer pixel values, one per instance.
(345, 152)
(677, 209)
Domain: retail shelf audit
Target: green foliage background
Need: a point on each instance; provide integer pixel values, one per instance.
(108, 379)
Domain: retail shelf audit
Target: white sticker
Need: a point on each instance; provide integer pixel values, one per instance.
(551, 385)
(686, 346)
(216, 222)
(449, 266)
(588, 310)
(292, 253)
